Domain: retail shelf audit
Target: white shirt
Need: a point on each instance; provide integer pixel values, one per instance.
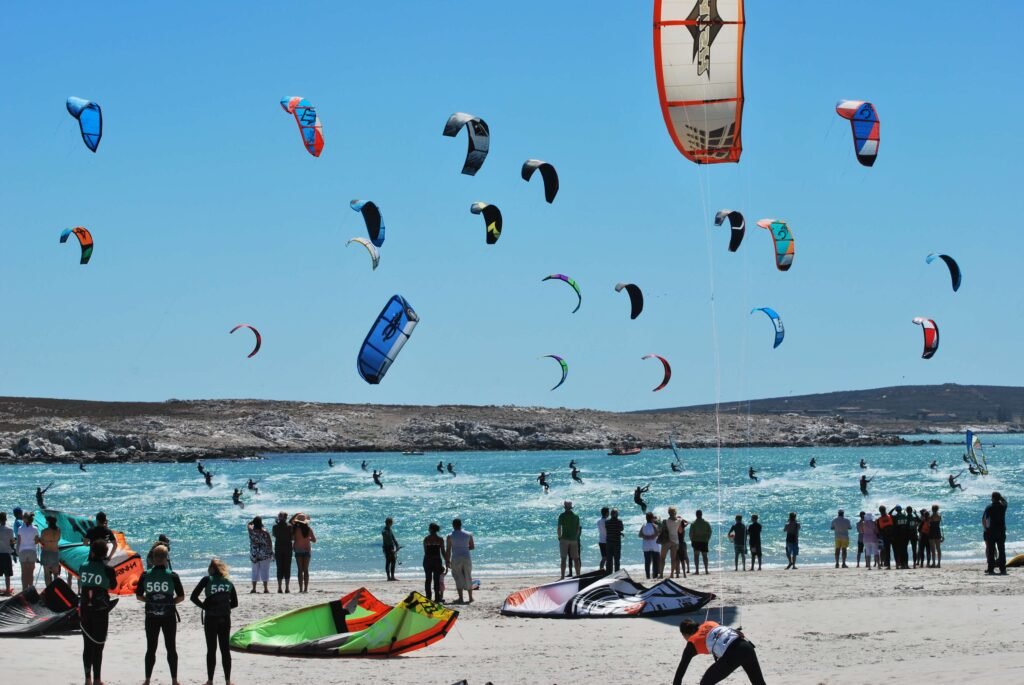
(673, 529)
(651, 545)
(27, 538)
(602, 533)
(6, 538)
(841, 525)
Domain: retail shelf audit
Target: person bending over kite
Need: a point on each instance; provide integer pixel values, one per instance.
(729, 647)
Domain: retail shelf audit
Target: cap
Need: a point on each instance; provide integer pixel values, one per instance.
(567, 504)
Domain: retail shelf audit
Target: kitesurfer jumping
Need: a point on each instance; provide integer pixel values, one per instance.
(952, 482)
(934, 466)
(236, 498)
(814, 463)
(863, 464)
(750, 474)
(864, 480)
(39, 495)
(729, 648)
(376, 478)
(208, 477)
(638, 497)
(543, 480)
(675, 468)
(576, 475)
(252, 486)
(451, 469)
(440, 467)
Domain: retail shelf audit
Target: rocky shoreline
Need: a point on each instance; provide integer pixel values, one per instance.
(69, 431)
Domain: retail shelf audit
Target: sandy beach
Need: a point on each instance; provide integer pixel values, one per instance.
(814, 625)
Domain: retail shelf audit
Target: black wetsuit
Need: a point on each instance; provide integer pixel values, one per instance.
(96, 579)
(814, 463)
(572, 464)
(953, 484)
(639, 500)
(159, 588)
(864, 480)
(208, 477)
(451, 469)
(543, 480)
(750, 474)
(576, 475)
(675, 467)
(81, 466)
(863, 464)
(200, 467)
(440, 467)
(376, 479)
(236, 497)
(39, 497)
(934, 466)
(995, 536)
(252, 486)
(219, 598)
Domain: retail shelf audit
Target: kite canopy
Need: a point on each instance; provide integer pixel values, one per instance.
(374, 252)
(665, 364)
(865, 126)
(572, 283)
(374, 220)
(565, 368)
(698, 62)
(310, 128)
(90, 120)
(492, 220)
(785, 244)
(547, 172)
(479, 139)
(259, 338)
(780, 332)
(636, 298)
(931, 336)
(31, 612)
(387, 336)
(739, 226)
(599, 594)
(326, 630)
(74, 551)
(84, 239)
(954, 268)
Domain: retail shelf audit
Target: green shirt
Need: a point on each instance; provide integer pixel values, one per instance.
(569, 523)
(700, 531)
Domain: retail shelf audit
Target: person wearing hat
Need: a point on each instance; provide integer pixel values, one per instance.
(302, 544)
(569, 538)
(841, 527)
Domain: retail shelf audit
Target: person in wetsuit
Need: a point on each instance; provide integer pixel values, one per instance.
(952, 482)
(376, 478)
(40, 492)
(675, 467)
(863, 464)
(208, 477)
(363, 466)
(864, 480)
(543, 480)
(576, 475)
(934, 466)
(330, 463)
(451, 469)
(814, 463)
(200, 467)
(160, 588)
(973, 471)
(236, 498)
(729, 648)
(639, 499)
(252, 486)
(572, 464)
(750, 474)
(81, 466)
(440, 467)
(96, 579)
(219, 598)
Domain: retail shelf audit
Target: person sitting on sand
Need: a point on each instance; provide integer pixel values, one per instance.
(376, 478)
(751, 474)
(729, 647)
(639, 499)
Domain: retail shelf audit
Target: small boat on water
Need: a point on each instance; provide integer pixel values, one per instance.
(624, 451)
(413, 453)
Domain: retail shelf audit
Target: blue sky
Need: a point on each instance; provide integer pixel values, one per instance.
(207, 211)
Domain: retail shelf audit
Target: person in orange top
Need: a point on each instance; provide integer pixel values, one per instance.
(885, 531)
(729, 647)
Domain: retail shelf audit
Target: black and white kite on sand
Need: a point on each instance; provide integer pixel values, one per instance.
(600, 594)
(30, 612)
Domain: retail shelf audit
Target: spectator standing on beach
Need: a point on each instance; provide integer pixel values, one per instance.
(871, 537)
(161, 539)
(219, 598)
(900, 536)
(860, 536)
(49, 548)
(649, 533)
(700, 536)
(261, 551)
(841, 528)
(101, 531)
(457, 548)
(994, 523)
(670, 548)
(792, 530)
(569, 538)
(754, 535)
(390, 546)
(613, 528)
(96, 579)
(302, 544)
(935, 538)
(682, 555)
(738, 535)
(7, 551)
(913, 521)
(283, 536)
(924, 550)
(885, 536)
(160, 588)
(28, 538)
(435, 563)
(602, 537)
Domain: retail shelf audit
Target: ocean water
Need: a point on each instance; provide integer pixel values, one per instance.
(500, 502)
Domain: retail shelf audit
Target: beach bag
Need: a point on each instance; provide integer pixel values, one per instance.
(663, 534)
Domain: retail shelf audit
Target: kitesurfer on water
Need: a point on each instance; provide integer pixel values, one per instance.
(440, 467)
(572, 464)
(451, 469)
(952, 482)
(363, 465)
(208, 477)
(814, 463)
(639, 499)
(39, 495)
(376, 478)
(864, 480)
(675, 468)
(236, 498)
(729, 648)
(252, 486)
(934, 466)
(543, 480)
(200, 467)
(330, 463)
(81, 466)
(750, 474)
(576, 475)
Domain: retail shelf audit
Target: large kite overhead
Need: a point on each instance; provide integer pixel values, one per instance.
(479, 139)
(780, 332)
(84, 239)
(31, 612)
(563, 364)
(90, 120)
(373, 218)
(492, 220)
(572, 283)
(865, 126)
(636, 298)
(370, 247)
(785, 245)
(74, 550)
(931, 336)
(599, 594)
(386, 338)
(738, 224)
(259, 338)
(310, 129)
(698, 62)
(665, 364)
(547, 172)
(324, 630)
(954, 268)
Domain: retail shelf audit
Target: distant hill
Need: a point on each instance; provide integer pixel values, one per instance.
(949, 405)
